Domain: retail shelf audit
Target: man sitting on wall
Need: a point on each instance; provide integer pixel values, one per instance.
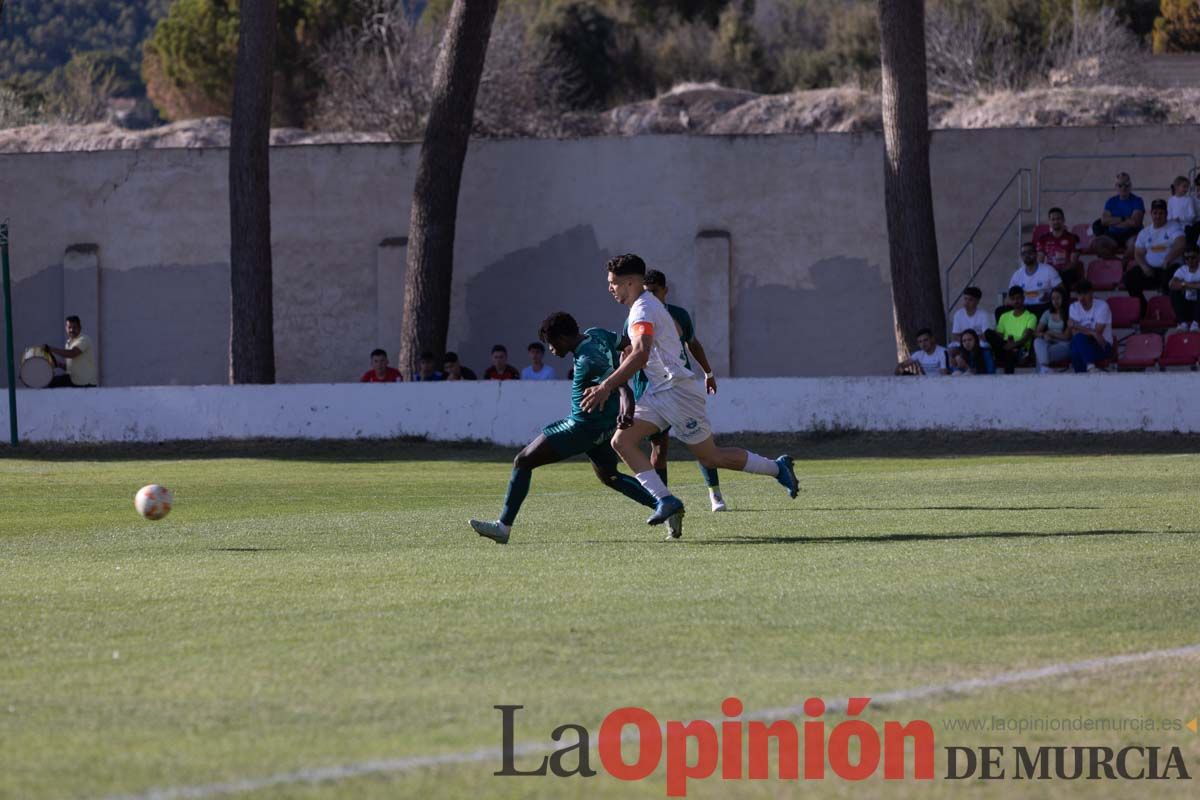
(80, 355)
(426, 370)
(928, 359)
(380, 372)
(500, 370)
(454, 369)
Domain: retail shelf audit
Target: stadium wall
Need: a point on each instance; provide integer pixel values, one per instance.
(777, 243)
(511, 413)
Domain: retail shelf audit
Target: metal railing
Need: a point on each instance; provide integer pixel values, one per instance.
(1021, 183)
(1041, 189)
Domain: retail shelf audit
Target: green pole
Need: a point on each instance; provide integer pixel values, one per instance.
(8, 334)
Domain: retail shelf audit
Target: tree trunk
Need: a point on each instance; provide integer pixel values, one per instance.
(431, 227)
(908, 197)
(252, 335)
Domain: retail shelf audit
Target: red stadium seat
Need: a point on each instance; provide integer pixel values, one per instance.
(1039, 230)
(1182, 350)
(1084, 231)
(1159, 314)
(1142, 350)
(1126, 311)
(1105, 275)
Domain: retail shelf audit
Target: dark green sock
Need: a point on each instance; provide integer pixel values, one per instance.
(631, 488)
(710, 477)
(518, 487)
(662, 473)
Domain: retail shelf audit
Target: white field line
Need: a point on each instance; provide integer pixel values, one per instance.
(395, 765)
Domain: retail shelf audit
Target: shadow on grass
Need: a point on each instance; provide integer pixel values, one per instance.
(893, 538)
(802, 446)
(246, 549)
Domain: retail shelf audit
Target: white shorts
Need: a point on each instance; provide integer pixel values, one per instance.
(681, 407)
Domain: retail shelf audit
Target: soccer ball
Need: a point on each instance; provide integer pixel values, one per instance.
(153, 501)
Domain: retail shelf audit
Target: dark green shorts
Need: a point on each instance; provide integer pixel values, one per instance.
(570, 437)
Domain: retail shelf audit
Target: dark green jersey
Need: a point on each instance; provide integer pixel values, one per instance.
(686, 333)
(596, 358)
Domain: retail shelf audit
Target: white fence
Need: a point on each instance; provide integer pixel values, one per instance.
(510, 413)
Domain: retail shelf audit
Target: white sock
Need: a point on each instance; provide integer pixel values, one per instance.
(653, 484)
(759, 465)
(714, 492)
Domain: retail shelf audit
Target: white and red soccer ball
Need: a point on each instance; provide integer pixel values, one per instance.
(153, 501)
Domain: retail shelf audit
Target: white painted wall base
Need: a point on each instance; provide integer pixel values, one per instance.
(511, 413)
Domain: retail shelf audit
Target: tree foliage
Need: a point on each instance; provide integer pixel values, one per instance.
(1177, 29)
(188, 66)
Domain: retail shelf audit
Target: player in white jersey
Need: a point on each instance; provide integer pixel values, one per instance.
(673, 398)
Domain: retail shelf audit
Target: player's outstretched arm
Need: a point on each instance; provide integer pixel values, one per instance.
(710, 380)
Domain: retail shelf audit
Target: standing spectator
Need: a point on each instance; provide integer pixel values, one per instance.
(500, 370)
(1181, 208)
(1122, 216)
(1013, 337)
(927, 359)
(454, 370)
(970, 357)
(971, 317)
(380, 372)
(1035, 280)
(538, 370)
(1059, 248)
(1090, 327)
(80, 355)
(1157, 250)
(1185, 290)
(426, 369)
(1053, 342)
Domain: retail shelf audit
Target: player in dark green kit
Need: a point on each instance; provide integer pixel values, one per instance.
(596, 357)
(656, 283)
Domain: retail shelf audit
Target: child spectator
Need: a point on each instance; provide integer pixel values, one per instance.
(1185, 291)
(500, 370)
(454, 370)
(425, 369)
(1013, 337)
(970, 358)
(380, 372)
(971, 317)
(1053, 342)
(538, 370)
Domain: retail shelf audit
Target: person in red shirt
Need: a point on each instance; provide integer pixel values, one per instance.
(1059, 248)
(501, 370)
(380, 372)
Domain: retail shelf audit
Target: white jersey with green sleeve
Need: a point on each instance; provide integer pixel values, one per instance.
(668, 362)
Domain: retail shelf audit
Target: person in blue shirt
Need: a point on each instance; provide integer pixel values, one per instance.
(1123, 213)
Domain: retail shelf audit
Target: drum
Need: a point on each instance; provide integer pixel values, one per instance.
(37, 368)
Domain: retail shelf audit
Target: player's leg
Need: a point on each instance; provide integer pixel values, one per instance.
(604, 462)
(781, 469)
(713, 481)
(659, 446)
(627, 443)
(538, 453)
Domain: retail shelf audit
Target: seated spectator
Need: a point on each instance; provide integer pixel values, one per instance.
(1053, 342)
(927, 359)
(80, 355)
(454, 370)
(1059, 248)
(1157, 251)
(1035, 280)
(1185, 290)
(1013, 338)
(380, 372)
(1182, 208)
(971, 317)
(1120, 221)
(500, 370)
(1090, 327)
(426, 369)
(970, 357)
(538, 370)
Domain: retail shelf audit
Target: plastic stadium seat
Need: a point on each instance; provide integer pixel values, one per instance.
(1182, 350)
(1142, 350)
(1084, 231)
(1038, 230)
(1105, 275)
(1126, 311)
(1159, 314)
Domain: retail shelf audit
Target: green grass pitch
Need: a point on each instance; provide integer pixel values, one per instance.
(311, 606)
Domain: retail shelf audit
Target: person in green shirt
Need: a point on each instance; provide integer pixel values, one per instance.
(588, 433)
(1014, 334)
